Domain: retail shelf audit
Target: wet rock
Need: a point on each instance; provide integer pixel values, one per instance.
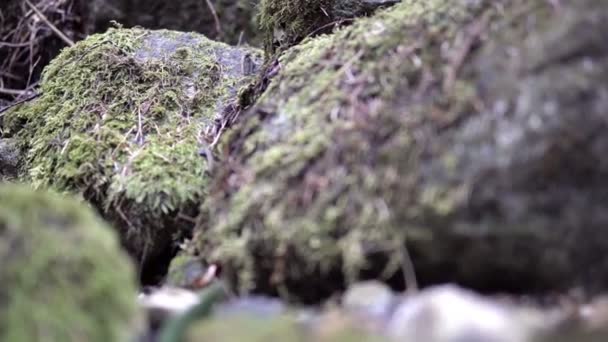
(372, 298)
(463, 136)
(120, 120)
(63, 275)
(163, 303)
(258, 306)
(451, 314)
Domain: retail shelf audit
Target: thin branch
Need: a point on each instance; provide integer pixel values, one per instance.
(409, 273)
(58, 32)
(14, 45)
(29, 98)
(474, 31)
(15, 92)
(218, 25)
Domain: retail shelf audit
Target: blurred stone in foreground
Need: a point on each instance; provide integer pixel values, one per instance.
(444, 313)
(63, 276)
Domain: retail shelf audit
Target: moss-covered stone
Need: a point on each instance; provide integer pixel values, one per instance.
(63, 276)
(230, 21)
(470, 132)
(121, 119)
(284, 327)
(286, 22)
(185, 271)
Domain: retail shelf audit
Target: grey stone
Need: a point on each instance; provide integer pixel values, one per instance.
(371, 298)
(451, 314)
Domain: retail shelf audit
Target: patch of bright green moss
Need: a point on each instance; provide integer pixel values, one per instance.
(286, 22)
(63, 275)
(120, 120)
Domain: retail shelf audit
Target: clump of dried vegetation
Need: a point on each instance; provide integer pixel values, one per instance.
(32, 32)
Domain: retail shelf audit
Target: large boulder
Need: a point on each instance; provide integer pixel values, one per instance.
(63, 275)
(121, 119)
(464, 137)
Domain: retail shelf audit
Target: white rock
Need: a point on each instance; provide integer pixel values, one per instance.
(451, 314)
(371, 298)
(166, 302)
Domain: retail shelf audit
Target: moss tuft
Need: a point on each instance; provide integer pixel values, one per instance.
(63, 276)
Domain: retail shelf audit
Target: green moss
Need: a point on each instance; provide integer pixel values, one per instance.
(284, 327)
(120, 120)
(386, 134)
(250, 329)
(184, 271)
(285, 22)
(63, 276)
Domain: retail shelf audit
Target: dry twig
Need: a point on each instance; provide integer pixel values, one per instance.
(54, 28)
(218, 25)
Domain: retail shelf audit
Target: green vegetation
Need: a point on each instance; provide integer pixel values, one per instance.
(85, 292)
(120, 121)
(284, 23)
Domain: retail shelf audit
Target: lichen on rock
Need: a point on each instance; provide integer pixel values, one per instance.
(63, 275)
(120, 121)
(463, 136)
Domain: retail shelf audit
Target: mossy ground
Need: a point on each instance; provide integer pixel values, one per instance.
(120, 121)
(63, 276)
(386, 134)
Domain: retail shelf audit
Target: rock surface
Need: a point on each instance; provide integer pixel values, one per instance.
(120, 121)
(445, 313)
(465, 137)
(451, 314)
(48, 292)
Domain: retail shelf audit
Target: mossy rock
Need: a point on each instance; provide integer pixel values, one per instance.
(121, 119)
(63, 275)
(284, 23)
(249, 329)
(464, 136)
(185, 271)
(230, 21)
(259, 329)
